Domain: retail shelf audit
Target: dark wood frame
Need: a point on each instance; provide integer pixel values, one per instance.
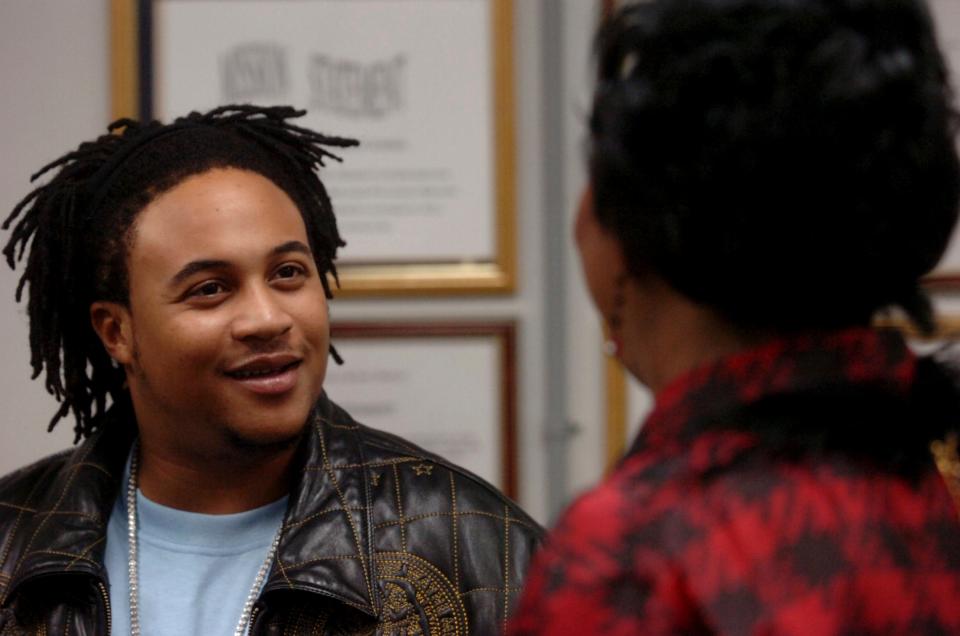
(504, 332)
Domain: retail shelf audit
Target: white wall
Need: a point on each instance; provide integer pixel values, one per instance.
(55, 95)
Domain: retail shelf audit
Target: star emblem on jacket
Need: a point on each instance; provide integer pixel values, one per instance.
(422, 469)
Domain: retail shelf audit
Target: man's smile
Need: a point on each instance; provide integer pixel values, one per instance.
(269, 374)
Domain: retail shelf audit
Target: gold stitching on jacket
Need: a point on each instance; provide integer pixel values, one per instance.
(454, 531)
(418, 598)
(463, 513)
(379, 463)
(401, 519)
(299, 522)
(8, 542)
(332, 557)
(87, 551)
(495, 590)
(283, 571)
(63, 493)
(422, 469)
(506, 565)
(72, 555)
(50, 513)
(343, 504)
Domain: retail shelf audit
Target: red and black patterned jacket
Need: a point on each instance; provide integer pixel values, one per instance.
(710, 525)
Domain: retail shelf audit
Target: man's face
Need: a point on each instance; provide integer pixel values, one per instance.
(227, 326)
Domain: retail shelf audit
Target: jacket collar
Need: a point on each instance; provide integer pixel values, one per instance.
(63, 530)
(804, 364)
(325, 547)
(327, 541)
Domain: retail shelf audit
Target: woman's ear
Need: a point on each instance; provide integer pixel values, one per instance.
(111, 321)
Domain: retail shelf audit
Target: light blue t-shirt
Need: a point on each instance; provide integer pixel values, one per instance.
(196, 570)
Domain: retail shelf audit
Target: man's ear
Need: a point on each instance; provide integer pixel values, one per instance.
(111, 321)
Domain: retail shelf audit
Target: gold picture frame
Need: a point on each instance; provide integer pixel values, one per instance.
(394, 348)
(132, 45)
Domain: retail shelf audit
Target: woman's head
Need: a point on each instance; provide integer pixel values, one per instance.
(79, 226)
(788, 163)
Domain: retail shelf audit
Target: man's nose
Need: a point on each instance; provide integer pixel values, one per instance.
(261, 315)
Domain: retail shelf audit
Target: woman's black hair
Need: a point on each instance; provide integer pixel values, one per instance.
(789, 163)
(74, 231)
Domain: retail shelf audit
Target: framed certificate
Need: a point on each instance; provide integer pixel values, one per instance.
(427, 202)
(448, 387)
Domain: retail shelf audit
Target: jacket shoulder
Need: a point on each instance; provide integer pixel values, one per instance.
(20, 488)
(428, 474)
(437, 529)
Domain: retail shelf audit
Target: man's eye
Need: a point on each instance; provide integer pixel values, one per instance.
(211, 288)
(290, 271)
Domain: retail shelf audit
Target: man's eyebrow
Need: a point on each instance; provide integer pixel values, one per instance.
(193, 267)
(291, 246)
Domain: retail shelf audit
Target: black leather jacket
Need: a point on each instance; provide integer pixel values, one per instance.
(380, 537)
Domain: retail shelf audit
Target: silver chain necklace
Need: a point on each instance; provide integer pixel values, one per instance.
(133, 571)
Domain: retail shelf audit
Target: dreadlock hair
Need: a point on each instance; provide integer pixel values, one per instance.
(74, 231)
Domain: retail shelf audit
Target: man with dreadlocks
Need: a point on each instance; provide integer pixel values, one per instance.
(177, 281)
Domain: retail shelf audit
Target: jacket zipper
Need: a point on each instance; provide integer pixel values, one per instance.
(106, 604)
